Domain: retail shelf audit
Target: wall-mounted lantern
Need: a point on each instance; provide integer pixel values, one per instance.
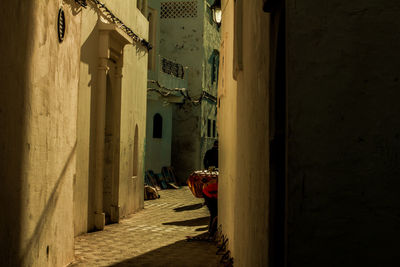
(217, 11)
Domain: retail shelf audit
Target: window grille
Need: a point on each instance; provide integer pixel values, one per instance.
(215, 66)
(173, 10)
(172, 68)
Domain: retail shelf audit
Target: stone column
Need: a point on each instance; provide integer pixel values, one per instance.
(117, 133)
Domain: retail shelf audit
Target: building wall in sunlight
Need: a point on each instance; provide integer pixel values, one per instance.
(38, 141)
(125, 112)
(244, 132)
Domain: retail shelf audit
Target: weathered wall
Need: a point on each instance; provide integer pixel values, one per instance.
(134, 96)
(244, 137)
(190, 41)
(181, 41)
(158, 150)
(133, 112)
(38, 138)
(343, 175)
(227, 127)
(211, 42)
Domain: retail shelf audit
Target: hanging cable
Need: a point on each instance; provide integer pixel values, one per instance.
(111, 17)
(165, 92)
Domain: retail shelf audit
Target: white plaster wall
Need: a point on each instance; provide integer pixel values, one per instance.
(134, 95)
(158, 151)
(133, 112)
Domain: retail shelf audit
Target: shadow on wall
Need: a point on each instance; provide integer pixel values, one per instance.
(16, 25)
(48, 211)
(181, 253)
(89, 56)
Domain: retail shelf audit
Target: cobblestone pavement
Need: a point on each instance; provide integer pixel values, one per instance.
(155, 236)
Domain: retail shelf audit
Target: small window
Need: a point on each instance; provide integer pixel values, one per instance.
(215, 66)
(214, 129)
(157, 126)
(208, 128)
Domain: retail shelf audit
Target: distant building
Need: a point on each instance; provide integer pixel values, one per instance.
(166, 79)
(185, 55)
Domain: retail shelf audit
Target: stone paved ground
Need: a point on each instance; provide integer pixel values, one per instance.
(154, 236)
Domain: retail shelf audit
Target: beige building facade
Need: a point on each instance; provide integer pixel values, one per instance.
(112, 96)
(66, 166)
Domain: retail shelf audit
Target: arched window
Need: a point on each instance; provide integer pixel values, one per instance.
(157, 126)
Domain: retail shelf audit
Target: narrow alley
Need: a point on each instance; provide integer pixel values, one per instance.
(282, 116)
(155, 236)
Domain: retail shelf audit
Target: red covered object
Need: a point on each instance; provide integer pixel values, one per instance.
(200, 180)
(211, 190)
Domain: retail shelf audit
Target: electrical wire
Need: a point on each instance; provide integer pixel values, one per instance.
(165, 92)
(111, 17)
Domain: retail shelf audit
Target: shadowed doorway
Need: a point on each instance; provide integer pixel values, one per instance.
(111, 146)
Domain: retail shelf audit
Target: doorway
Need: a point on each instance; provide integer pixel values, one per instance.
(278, 137)
(111, 146)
